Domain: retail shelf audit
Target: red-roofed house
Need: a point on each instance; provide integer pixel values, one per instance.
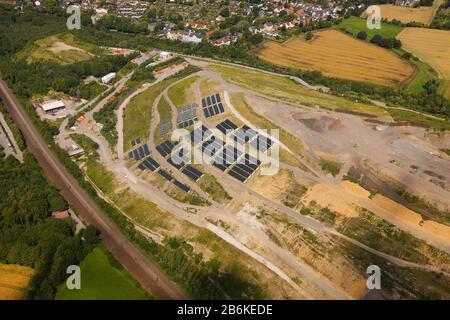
(61, 214)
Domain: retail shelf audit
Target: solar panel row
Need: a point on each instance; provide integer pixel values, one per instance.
(261, 143)
(199, 134)
(165, 175)
(212, 145)
(187, 123)
(135, 142)
(165, 148)
(182, 186)
(244, 134)
(192, 173)
(150, 163)
(226, 125)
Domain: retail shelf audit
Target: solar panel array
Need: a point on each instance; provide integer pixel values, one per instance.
(149, 163)
(199, 134)
(244, 134)
(212, 105)
(212, 145)
(187, 116)
(135, 142)
(226, 126)
(226, 157)
(261, 143)
(165, 148)
(192, 173)
(164, 127)
(139, 153)
(244, 168)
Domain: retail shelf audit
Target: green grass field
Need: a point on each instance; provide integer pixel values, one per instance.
(356, 24)
(180, 93)
(103, 278)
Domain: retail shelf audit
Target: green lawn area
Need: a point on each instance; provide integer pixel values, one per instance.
(357, 24)
(180, 93)
(103, 278)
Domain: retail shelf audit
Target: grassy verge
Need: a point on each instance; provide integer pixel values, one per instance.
(103, 278)
(357, 24)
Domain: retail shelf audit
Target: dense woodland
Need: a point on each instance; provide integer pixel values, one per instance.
(29, 236)
(442, 18)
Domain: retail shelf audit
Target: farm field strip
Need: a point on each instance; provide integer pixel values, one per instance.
(432, 47)
(14, 280)
(406, 14)
(338, 55)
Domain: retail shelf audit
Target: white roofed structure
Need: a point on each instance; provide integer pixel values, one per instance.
(52, 105)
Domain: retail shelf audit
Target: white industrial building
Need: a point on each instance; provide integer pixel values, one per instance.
(108, 77)
(52, 105)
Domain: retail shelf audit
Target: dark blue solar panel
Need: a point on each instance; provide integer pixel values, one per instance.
(205, 110)
(221, 127)
(136, 155)
(141, 152)
(213, 99)
(141, 167)
(221, 107)
(245, 168)
(218, 97)
(181, 186)
(241, 172)
(147, 151)
(237, 176)
(176, 165)
(220, 166)
(130, 154)
(161, 151)
(211, 111)
(230, 124)
(153, 162)
(138, 140)
(165, 175)
(133, 142)
(216, 109)
(190, 174)
(149, 165)
(208, 100)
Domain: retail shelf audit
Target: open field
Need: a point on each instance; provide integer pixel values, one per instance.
(432, 47)
(103, 278)
(182, 93)
(288, 90)
(357, 24)
(336, 54)
(62, 48)
(406, 14)
(138, 113)
(14, 280)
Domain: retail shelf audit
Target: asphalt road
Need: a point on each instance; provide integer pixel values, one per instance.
(146, 273)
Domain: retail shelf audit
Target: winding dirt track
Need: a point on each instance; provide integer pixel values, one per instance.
(146, 273)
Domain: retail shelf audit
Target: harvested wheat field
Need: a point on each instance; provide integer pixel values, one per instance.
(14, 281)
(336, 54)
(432, 46)
(406, 14)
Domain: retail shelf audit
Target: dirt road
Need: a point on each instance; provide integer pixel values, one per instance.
(147, 274)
